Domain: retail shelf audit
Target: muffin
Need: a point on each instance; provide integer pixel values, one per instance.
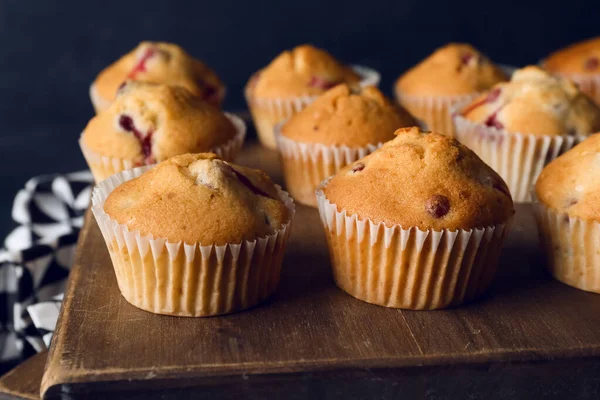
(340, 127)
(453, 74)
(157, 62)
(417, 224)
(293, 80)
(148, 123)
(580, 63)
(194, 235)
(567, 210)
(519, 126)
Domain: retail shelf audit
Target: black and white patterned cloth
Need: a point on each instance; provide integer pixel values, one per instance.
(36, 259)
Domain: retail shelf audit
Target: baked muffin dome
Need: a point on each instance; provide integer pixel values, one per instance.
(150, 122)
(535, 102)
(455, 69)
(571, 183)
(199, 198)
(423, 180)
(347, 116)
(579, 58)
(303, 71)
(159, 62)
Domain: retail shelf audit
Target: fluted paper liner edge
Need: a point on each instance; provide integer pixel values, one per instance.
(409, 268)
(306, 165)
(103, 166)
(189, 279)
(517, 157)
(268, 112)
(571, 246)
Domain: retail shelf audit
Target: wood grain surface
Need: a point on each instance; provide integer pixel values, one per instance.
(23, 382)
(310, 331)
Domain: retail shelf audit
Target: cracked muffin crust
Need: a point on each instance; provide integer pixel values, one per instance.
(347, 116)
(304, 70)
(454, 69)
(535, 102)
(571, 183)
(148, 123)
(423, 180)
(158, 62)
(199, 198)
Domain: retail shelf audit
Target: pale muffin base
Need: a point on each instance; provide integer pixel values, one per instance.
(572, 247)
(184, 279)
(517, 157)
(306, 165)
(409, 268)
(103, 166)
(433, 112)
(269, 112)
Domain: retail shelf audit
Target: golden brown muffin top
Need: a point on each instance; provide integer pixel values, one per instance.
(303, 71)
(579, 58)
(571, 183)
(455, 69)
(535, 102)
(150, 122)
(160, 62)
(345, 116)
(423, 180)
(199, 198)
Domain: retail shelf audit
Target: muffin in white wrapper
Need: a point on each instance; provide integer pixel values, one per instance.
(190, 279)
(306, 165)
(410, 268)
(433, 112)
(517, 157)
(103, 166)
(571, 247)
(267, 113)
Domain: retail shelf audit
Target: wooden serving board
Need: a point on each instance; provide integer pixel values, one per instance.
(23, 382)
(529, 336)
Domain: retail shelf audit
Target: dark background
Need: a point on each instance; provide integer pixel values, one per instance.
(52, 51)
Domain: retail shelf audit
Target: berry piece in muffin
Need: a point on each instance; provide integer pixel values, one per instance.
(149, 123)
(423, 180)
(535, 102)
(159, 62)
(199, 198)
(454, 69)
(305, 70)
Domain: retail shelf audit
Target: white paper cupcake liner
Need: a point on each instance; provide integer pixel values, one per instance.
(517, 157)
(103, 166)
(189, 279)
(408, 268)
(433, 113)
(268, 112)
(306, 165)
(571, 245)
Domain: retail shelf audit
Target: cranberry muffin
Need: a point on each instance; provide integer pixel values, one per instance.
(294, 79)
(341, 126)
(567, 209)
(519, 126)
(580, 63)
(452, 74)
(177, 246)
(148, 123)
(417, 224)
(159, 63)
